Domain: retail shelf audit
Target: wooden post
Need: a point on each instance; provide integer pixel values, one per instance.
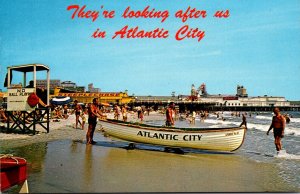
(48, 86)
(34, 77)
(24, 121)
(8, 126)
(34, 121)
(24, 80)
(8, 77)
(48, 119)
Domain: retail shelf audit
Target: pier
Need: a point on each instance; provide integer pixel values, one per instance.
(209, 106)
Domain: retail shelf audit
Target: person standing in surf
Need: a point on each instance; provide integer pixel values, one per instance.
(244, 121)
(278, 126)
(169, 115)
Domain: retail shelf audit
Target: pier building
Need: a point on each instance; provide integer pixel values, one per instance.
(103, 97)
(219, 102)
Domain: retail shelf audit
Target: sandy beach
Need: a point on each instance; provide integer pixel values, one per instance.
(60, 161)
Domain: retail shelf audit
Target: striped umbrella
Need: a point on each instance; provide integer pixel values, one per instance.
(61, 100)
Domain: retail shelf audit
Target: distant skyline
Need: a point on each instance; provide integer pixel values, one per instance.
(257, 46)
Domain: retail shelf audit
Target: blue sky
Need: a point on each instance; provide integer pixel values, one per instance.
(257, 46)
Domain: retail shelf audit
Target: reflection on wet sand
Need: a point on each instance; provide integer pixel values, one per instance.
(34, 153)
(88, 166)
(138, 170)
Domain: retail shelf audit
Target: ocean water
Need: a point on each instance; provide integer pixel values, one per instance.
(257, 145)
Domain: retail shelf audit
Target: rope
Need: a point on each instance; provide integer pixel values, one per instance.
(9, 156)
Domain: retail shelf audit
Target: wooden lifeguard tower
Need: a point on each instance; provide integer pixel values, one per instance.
(20, 111)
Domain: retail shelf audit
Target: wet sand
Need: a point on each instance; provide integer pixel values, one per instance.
(61, 162)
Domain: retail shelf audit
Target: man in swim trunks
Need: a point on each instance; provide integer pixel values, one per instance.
(169, 115)
(94, 113)
(278, 124)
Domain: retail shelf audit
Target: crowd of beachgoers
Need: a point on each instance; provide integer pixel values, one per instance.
(123, 112)
(76, 115)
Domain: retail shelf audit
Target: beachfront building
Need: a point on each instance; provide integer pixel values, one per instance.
(241, 91)
(265, 101)
(182, 102)
(103, 97)
(92, 89)
(235, 101)
(80, 89)
(42, 84)
(241, 99)
(71, 86)
(140, 100)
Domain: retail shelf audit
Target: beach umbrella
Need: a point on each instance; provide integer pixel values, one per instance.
(61, 100)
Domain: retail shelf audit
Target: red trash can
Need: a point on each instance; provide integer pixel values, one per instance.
(13, 171)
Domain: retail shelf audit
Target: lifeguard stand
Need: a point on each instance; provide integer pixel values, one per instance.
(22, 115)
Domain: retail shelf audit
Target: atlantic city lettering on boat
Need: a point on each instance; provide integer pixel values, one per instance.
(167, 136)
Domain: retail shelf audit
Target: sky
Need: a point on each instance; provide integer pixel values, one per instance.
(257, 46)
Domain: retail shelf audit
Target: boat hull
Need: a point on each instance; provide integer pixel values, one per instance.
(225, 139)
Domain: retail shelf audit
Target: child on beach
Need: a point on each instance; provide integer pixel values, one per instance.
(193, 117)
(142, 115)
(117, 112)
(77, 110)
(124, 113)
(58, 112)
(65, 111)
(83, 117)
